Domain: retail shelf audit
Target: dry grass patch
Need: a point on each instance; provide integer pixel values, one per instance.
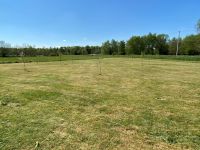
(134, 104)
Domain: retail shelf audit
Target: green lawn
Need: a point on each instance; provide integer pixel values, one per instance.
(7, 60)
(135, 104)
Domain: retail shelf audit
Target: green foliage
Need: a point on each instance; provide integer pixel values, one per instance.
(173, 46)
(106, 48)
(135, 45)
(88, 49)
(191, 45)
(162, 44)
(121, 48)
(112, 48)
(148, 44)
(31, 51)
(3, 52)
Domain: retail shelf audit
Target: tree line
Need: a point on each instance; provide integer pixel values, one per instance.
(151, 44)
(52, 51)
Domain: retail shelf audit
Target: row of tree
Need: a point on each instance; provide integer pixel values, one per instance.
(31, 51)
(153, 44)
(190, 45)
(148, 44)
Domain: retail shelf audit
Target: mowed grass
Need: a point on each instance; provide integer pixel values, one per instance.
(26, 59)
(135, 104)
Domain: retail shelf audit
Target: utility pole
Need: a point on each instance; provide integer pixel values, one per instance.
(178, 41)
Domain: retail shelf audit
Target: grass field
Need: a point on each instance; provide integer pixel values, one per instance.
(6, 60)
(135, 104)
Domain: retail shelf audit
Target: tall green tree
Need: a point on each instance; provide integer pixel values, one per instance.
(191, 45)
(173, 46)
(156, 44)
(135, 45)
(162, 44)
(106, 48)
(88, 49)
(121, 48)
(114, 47)
(4, 52)
(150, 41)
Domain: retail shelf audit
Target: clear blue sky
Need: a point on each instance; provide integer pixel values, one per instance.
(82, 22)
